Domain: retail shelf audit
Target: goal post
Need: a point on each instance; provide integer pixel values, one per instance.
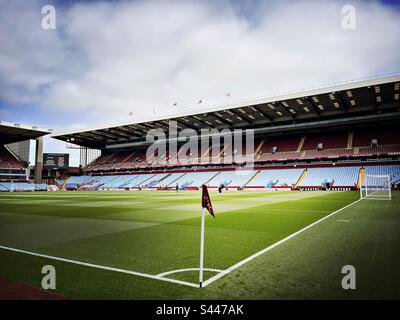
(375, 187)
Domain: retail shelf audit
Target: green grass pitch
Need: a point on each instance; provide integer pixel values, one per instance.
(156, 232)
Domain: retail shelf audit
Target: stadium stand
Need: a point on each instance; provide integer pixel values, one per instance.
(276, 177)
(311, 138)
(22, 186)
(196, 179)
(8, 160)
(279, 148)
(392, 170)
(333, 140)
(287, 148)
(168, 179)
(338, 176)
(14, 172)
(232, 178)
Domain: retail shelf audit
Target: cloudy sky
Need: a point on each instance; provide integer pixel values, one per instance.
(118, 61)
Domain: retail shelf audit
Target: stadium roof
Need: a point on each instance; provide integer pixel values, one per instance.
(345, 103)
(15, 132)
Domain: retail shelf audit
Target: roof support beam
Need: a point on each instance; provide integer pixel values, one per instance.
(292, 116)
(185, 124)
(245, 119)
(343, 102)
(372, 93)
(201, 121)
(215, 115)
(124, 133)
(310, 103)
(264, 114)
(95, 134)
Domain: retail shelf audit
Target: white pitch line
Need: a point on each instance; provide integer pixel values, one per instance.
(240, 263)
(91, 265)
(186, 270)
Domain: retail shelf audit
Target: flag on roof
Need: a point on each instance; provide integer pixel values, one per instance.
(206, 200)
(228, 94)
(130, 113)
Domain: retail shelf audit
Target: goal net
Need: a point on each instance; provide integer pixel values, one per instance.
(376, 187)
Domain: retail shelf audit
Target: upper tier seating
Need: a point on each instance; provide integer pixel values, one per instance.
(8, 161)
(378, 150)
(330, 140)
(288, 148)
(283, 143)
(327, 154)
(385, 136)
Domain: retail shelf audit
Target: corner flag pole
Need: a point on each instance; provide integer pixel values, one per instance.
(205, 205)
(202, 247)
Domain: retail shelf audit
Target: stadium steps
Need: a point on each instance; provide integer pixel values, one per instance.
(186, 184)
(206, 153)
(212, 177)
(222, 153)
(302, 176)
(163, 178)
(13, 154)
(4, 187)
(144, 181)
(252, 178)
(350, 140)
(301, 143)
(182, 175)
(128, 182)
(63, 185)
(128, 157)
(259, 147)
(257, 152)
(361, 174)
(107, 183)
(105, 161)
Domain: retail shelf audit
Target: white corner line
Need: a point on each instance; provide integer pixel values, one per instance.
(240, 263)
(96, 266)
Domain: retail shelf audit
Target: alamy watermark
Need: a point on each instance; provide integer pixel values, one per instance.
(49, 280)
(349, 280)
(349, 17)
(49, 21)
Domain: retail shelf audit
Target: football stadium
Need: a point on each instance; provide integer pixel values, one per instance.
(199, 158)
(300, 186)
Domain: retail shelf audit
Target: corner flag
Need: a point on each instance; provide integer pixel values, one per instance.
(205, 204)
(206, 200)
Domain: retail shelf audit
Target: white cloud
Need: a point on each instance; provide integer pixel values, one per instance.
(109, 58)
